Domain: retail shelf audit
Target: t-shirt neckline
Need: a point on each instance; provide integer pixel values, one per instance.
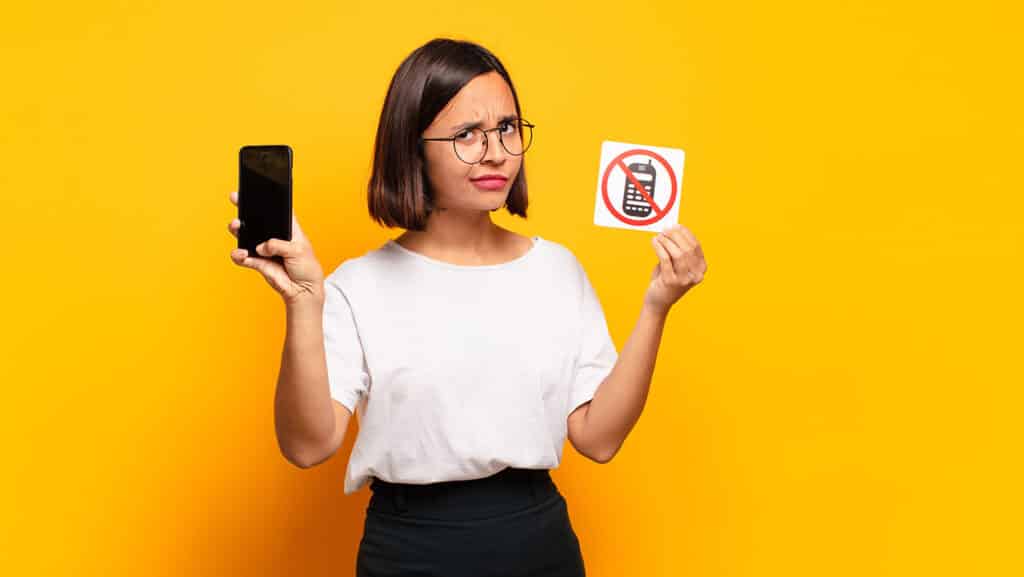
(537, 240)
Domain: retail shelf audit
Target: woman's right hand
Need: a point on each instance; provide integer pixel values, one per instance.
(299, 278)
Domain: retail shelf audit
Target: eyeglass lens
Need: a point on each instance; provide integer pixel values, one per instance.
(471, 145)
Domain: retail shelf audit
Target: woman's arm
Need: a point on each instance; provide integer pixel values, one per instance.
(308, 424)
(598, 428)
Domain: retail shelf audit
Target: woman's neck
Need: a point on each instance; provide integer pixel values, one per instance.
(461, 242)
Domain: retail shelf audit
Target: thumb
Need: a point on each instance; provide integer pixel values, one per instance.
(275, 247)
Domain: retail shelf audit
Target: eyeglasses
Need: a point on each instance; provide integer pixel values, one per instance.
(470, 145)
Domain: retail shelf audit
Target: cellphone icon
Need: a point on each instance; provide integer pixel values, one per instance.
(633, 203)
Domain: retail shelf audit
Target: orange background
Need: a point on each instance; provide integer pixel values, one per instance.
(841, 395)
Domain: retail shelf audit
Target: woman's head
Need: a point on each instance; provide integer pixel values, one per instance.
(444, 89)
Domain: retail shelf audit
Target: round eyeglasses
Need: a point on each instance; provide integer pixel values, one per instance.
(470, 145)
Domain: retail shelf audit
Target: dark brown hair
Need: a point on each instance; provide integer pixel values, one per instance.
(399, 192)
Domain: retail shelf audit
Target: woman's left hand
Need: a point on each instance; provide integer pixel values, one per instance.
(681, 266)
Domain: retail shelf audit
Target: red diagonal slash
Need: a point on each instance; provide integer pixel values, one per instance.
(640, 188)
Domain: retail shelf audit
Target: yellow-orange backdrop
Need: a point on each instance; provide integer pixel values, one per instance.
(839, 397)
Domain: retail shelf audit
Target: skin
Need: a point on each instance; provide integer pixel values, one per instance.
(460, 229)
(311, 425)
(598, 429)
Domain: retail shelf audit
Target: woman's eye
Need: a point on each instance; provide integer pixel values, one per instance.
(464, 135)
(508, 128)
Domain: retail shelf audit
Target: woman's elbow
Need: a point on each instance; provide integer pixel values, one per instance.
(306, 459)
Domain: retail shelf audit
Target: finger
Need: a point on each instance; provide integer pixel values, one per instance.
(241, 257)
(676, 234)
(701, 265)
(234, 197)
(689, 235)
(689, 247)
(694, 252)
(664, 259)
(276, 247)
(665, 269)
(697, 261)
(685, 241)
(233, 227)
(679, 261)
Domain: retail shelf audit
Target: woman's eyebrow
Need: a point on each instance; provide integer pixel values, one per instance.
(478, 124)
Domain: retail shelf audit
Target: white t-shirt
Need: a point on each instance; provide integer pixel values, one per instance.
(455, 372)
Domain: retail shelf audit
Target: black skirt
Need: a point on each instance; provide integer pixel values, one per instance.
(514, 523)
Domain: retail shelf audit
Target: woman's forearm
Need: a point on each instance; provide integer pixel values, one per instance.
(621, 397)
(303, 415)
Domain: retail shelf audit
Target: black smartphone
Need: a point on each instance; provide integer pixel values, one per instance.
(264, 195)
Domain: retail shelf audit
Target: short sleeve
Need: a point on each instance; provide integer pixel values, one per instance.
(596, 350)
(346, 364)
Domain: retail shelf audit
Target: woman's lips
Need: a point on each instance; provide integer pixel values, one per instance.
(490, 183)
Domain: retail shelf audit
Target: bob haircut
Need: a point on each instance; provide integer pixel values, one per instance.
(399, 192)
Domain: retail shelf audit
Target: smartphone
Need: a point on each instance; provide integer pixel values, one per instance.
(264, 195)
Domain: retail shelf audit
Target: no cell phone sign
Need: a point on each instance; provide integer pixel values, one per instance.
(638, 186)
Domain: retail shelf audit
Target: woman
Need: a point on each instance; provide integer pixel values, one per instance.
(469, 353)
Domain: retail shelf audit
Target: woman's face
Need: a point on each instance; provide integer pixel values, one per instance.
(484, 102)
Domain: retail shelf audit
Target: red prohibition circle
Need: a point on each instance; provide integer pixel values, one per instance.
(615, 162)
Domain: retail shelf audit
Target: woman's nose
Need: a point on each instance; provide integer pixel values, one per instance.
(495, 152)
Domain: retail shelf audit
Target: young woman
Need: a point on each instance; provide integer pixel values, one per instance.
(469, 353)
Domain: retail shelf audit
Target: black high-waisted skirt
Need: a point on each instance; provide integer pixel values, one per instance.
(514, 523)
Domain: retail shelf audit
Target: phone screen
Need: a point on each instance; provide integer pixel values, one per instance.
(264, 195)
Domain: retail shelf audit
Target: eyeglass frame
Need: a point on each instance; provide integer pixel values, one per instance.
(487, 140)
